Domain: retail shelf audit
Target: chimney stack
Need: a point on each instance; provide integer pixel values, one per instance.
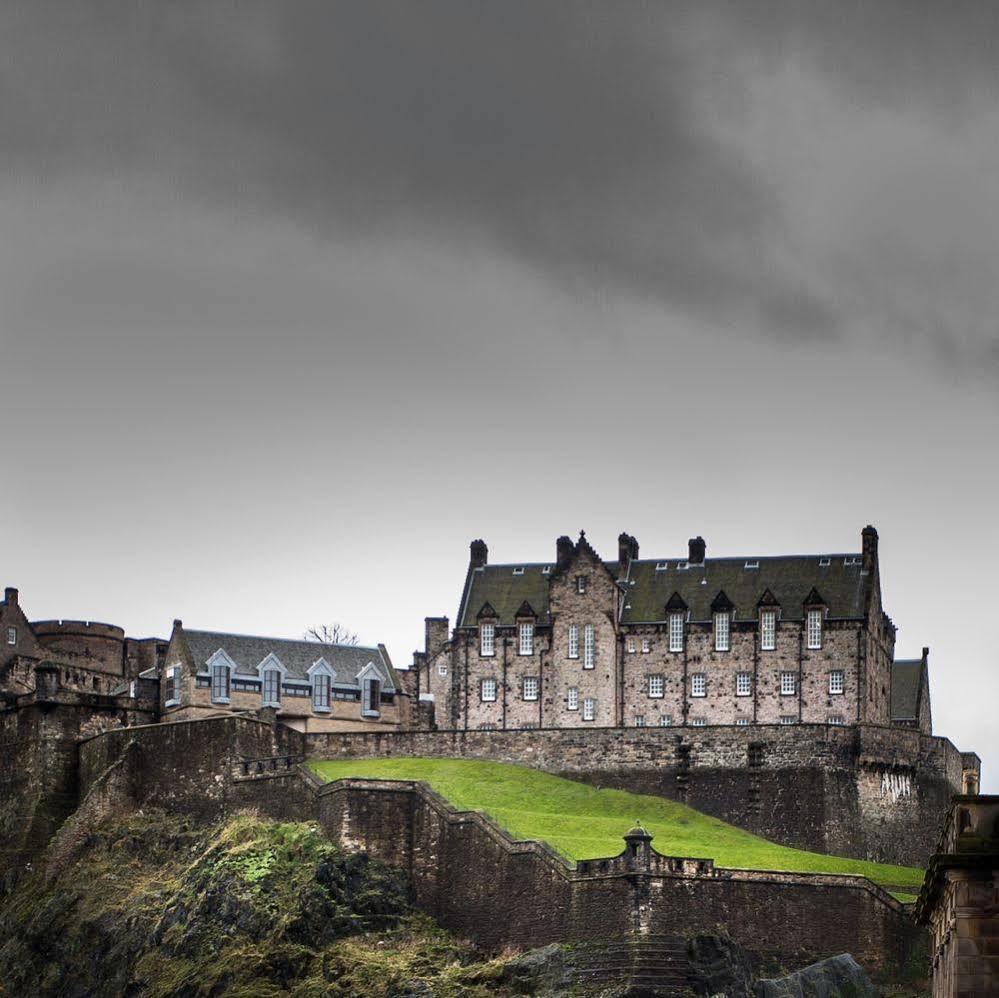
(627, 550)
(869, 548)
(10, 596)
(478, 554)
(563, 551)
(696, 549)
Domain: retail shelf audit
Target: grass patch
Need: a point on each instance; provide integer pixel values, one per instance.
(582, 822)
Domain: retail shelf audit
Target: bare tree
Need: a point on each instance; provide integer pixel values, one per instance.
(331, 634)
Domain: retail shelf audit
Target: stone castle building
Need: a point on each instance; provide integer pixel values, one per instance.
(661, 642)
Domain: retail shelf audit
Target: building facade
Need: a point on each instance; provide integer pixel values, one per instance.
(694, 641)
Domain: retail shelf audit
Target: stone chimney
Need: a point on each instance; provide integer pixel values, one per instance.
(478, 554)
(696, 549)
(564, 549)
(436, 631)
(10, 596)
(869, 548)
(627, 549)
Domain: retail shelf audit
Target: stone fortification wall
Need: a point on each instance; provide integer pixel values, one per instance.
(865, 791)
(475, 880)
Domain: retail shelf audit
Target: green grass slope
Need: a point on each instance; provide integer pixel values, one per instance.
(582, 822)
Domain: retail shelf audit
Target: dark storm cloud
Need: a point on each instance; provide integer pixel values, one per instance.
(581, 137)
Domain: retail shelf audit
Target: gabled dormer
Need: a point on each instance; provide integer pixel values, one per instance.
(220, 672)
(768, 612)
(815, 610)
(370, 680)
(487, 630)
(676, 621)
(321, 678)
(271, 671)
(526, 621)
(721, 615)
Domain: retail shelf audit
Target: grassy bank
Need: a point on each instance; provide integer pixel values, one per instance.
(582, 822)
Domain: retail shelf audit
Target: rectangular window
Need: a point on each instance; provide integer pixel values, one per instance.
(676, 632)
(573, 641)
(12, 635)
(836, 681)
(372, 697)
(657, 686)
(646, 647)
(834, 719)
(530, 687)
(442, 667)
(743, 684)
(173, 686)
(572, 700)
(488, 690)
(697, 722)
(665, 721)
(272, 687)
(741, 722)
(768, 630)
(698, 685)
(321, 692)
(639, 720)
(788, 719)
(526, 633)
(814, 625)
(588, 646)
(788, 684)
(722, 631)
(220, 683)
(487, 640)
(632, 646)
(589, 708)
(580, 583)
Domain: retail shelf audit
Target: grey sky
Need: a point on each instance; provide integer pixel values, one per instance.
(296, 299)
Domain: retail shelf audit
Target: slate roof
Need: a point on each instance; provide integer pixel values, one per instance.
(837, 578)
(840, 583)
(906, 677)
(248, 651)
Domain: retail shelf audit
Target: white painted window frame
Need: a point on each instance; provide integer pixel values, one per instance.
(589, 646)
(487, 640)
(768, 630)
(813, 630)
(589, 708)
(487, 685)
(525, 638)
(788, 683)
(572, 698)
(837, 682)
(530, 688)
(676, 628)
(743, 684)
(698, 685)
(657, 686)
(574, 641)
(723, 631)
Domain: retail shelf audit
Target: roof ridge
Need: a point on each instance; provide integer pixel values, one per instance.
(752, 557)
(290, 641)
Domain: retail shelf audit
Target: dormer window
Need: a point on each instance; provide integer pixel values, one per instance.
(676, 631)
(220, 682)
(768, 630)
(12, 635)
(271, 688)
(525, 634)
(580, 583)
(722, 630)
(372, 697)
(813, 625)
(321, 687)
(487, 640)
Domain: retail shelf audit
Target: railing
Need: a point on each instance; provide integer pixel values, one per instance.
(272, 764)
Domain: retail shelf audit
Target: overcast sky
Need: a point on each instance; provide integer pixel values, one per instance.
(296, 299)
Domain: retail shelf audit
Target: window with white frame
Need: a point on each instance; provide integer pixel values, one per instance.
(814, 628)
(698, 684)
(530, 687)
(665, 720)
(173, 686)
(372, 697)
(697, 722)
(646, 646)
(487, 640)
(676, 632)
(572, 699)
(788, 719)
(574, 641)
(526, 634)
(442, 667)
(321, 686)
(580, 583)
(788, 684)
(12, 635)
(836, 681)
(589, 708)
(639, 720)
(272, 688)
(588, 644)
(657, 686)
(488, 690)
(768, 630)
(220, 683)
(722, 622)
(632, 646)
(741, 722)
(834, 719)
(743, 684)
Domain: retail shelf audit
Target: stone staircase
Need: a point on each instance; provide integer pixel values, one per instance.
(642, 965)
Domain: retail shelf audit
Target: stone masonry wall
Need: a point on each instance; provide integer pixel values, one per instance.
(867, 792)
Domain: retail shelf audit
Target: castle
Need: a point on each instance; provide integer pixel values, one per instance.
(763, 691)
